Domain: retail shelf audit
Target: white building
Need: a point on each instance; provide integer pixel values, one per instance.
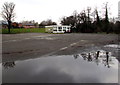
(58, 29)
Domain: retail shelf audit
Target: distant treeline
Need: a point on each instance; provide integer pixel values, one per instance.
(85, 23)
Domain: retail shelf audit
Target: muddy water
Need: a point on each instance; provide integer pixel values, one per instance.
(87, 66)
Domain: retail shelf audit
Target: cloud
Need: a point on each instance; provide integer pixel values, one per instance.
(39, 10)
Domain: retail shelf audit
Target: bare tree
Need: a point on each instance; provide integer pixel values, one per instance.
(8, 13)
(88, 10)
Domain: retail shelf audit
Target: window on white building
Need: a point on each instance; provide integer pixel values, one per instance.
(60, 28)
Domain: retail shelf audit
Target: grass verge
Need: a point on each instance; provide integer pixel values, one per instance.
(23, 30)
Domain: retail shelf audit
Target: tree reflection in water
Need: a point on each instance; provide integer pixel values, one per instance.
(84, 56)
(7, 65)
(76, 56)
(95, 57)
(89, 57)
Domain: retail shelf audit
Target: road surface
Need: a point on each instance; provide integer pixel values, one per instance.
(34, 45)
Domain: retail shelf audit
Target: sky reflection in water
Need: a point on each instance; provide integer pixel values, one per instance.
(77, 68)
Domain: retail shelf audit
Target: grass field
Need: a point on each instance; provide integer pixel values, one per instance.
(23, 30)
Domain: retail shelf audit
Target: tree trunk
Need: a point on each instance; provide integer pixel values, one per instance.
(9, 26)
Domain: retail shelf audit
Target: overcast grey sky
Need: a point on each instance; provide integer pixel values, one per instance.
(40, 10)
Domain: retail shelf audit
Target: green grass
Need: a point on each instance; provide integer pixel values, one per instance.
(23, 30)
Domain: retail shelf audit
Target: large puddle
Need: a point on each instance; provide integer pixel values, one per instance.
(92, 66)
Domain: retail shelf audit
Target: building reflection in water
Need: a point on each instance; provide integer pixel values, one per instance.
(96, 57)
(7, 65)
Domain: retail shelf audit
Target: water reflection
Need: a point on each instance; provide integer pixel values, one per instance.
(84, 56)
(89, 57)
(76, 56)
(97, 57)
(107, 64)
(7, 65)
(88, 66)
(62, 69)
(107, 56)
